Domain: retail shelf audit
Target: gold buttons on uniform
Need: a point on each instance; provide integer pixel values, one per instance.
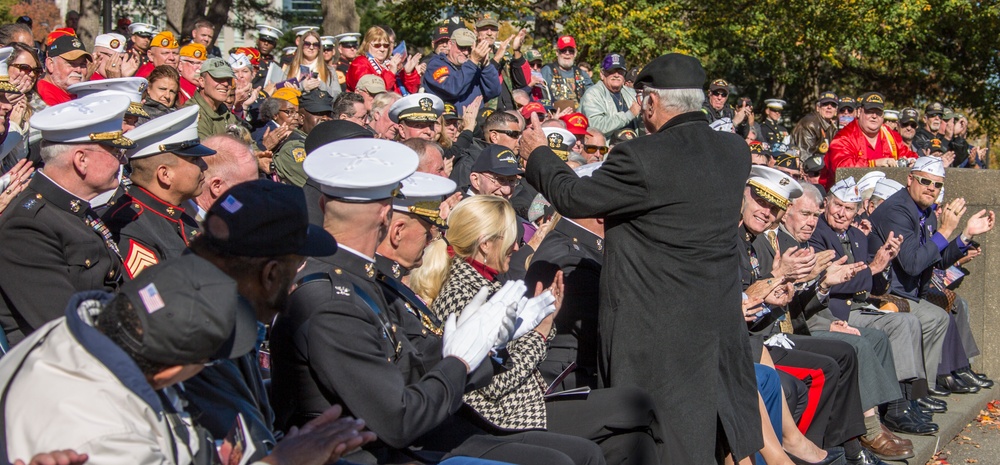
(87, 262)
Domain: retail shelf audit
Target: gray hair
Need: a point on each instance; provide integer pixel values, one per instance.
(808, 189)
(679, 100)
(50, 151)
(576, 157)
(269, 108)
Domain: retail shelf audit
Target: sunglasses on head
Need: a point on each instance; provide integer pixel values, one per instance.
(928, 182)
(592, 149)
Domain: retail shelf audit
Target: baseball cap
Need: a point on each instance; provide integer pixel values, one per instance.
(316, 101)
(464, 37)
(488, 19)
(934, 108)
(371, 83)
(847, 102)
(218, 68)
(533, 107)
(576, 124)
(828, 97)
(497, 159)
(907, 115)
(613, 61)
(190, 312)
(565, 42)
(872, 100)
(719, 84)
(67, 47)
(532, 55)
(264, 218)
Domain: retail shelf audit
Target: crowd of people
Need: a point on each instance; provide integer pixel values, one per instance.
(348, 251)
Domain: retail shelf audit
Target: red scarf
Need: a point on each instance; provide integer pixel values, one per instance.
(480, 267)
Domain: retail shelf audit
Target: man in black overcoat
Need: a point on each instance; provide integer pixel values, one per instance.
(661, 329)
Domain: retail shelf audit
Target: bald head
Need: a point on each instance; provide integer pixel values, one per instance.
(233, 163)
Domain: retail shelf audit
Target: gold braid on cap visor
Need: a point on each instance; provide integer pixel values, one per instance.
(7, 87)
(767, 194)
(430, 211)
(135, 109)
(114, 137)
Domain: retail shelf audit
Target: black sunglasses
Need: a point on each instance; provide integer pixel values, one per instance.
(910, 125)
(512, 134)
(928, 182)
(720, 93)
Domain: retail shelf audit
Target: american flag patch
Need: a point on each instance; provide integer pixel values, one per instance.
(151, 298)
(231, 204)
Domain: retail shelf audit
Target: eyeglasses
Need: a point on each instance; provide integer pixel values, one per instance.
(349, 45)
(511, 181)
(26, 69)
(537, 65)
(287, 112)
(310, 44)
(847, 110)
(720, 93)
(927, 182)
(266, 40)
(829, 105)
(568, 51)
(383, 45)
(508, 133)
(592, 149)
(910, 125)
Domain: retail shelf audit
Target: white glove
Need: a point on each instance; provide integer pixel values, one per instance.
(531, 312)
(780, 340)
(483, 325)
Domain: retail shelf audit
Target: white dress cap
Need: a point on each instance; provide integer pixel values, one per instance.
(774, 186)
(175, 132)
(422, 196)
(361, 169)
(91, 119)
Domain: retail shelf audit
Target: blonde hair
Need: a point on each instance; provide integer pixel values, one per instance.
(373, 34)
(322, 72)
(474, 221)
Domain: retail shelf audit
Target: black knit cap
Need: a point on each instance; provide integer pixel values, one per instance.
(672, 71)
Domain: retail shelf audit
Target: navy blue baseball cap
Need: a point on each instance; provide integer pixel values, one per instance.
(264, 218)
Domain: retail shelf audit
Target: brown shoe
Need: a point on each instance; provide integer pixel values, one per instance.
(896, 439)
(884, 447)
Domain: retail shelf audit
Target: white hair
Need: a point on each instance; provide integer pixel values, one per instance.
(679, 100)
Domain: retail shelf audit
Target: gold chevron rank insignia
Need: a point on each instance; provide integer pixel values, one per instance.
(139, 258)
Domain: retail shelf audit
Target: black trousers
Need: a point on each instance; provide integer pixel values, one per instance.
(622, 420)
(796, 394)
(838, 416)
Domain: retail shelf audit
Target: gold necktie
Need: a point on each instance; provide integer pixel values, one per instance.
(784, 324)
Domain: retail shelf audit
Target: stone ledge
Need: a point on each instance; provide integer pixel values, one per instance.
(962, 409)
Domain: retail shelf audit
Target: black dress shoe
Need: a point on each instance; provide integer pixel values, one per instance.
(938, 390)
(981, 376)
(866, 457)
(910, 422)
(956, 385)
(920, 413)
(930, 407)
(969, 378)
(834, 456)
(935, 400)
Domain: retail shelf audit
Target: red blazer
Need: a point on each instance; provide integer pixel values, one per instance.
(360, 67)
(850, 149)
